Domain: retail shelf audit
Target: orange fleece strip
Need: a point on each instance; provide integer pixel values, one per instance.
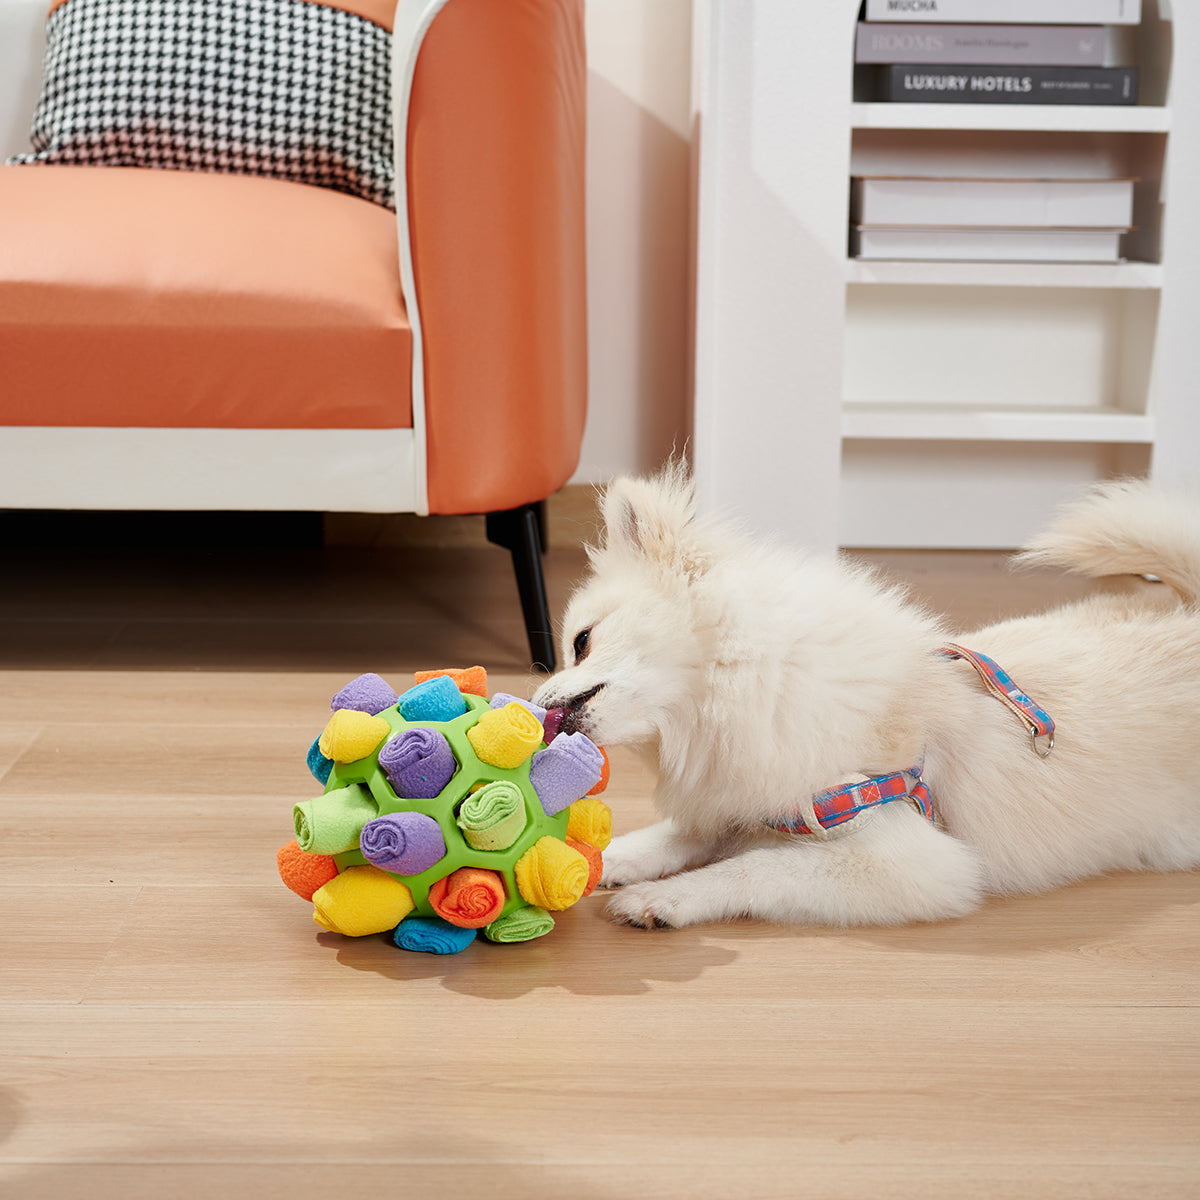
(603, 775)
(594, 861)
(470, 897)
(304, 873)
(471, 681)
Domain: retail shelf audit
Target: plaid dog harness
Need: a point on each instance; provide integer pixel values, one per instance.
(838, 811)
(847, 808)
(1036, 719)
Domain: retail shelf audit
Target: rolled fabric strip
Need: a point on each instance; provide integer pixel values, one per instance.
(520, 925)
(332, 823)
(565, 771)
(552, 875)
(500, 699)
(590, 820)
(432, 935)
(362, 901)
(304, 873)
(368, 693)
(435, 699)
(471, 680)
(604, 772)
(418, 762)
(595, 864)
(470, 897)
(506, 737)
(351, 735)
(404, 843)
(493, 817)
(320, 766)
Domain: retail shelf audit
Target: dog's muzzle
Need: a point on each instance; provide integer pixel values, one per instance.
(569, 717)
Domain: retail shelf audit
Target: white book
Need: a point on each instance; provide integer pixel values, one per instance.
(990, 154)
(988, 245)
(1018, 12)
(920, 201)
(996, 45)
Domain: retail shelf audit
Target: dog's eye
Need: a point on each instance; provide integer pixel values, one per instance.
(580, 645)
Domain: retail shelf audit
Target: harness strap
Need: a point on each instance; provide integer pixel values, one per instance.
(835, 806)
(1001, 685)
(839, 805)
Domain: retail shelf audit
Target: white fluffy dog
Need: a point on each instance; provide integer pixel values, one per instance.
(756, 679)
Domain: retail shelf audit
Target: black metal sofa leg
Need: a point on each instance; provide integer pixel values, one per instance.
(520, 531)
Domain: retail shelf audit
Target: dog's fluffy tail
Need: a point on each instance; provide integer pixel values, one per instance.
(1126, 527)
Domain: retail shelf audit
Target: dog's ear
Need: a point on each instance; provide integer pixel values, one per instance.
(655, 519)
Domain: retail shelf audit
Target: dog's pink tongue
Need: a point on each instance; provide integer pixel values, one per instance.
(553, 723)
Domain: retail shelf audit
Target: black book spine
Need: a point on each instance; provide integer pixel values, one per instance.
(924, 84)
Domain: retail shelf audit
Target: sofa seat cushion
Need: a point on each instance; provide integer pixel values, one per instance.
(142, 298)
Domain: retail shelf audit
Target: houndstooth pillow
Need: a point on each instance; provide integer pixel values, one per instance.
(284, 88)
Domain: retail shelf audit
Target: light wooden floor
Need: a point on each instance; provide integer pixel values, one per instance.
(173, 1024)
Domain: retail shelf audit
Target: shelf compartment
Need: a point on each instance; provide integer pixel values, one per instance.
(915, 345)
(969, 493)
(1034, 154)
(938, 422)
(1072, 118)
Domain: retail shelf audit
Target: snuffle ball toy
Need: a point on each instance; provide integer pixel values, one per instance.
(445, 815)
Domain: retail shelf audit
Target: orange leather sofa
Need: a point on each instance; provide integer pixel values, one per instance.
(181, 340)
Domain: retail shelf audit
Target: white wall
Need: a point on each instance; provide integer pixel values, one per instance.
(639, 97)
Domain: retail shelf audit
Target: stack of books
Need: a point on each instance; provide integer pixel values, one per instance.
(995, 52)
(1035, 52)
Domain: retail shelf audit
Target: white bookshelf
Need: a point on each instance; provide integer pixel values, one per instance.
(869, 403)
(1032, 275)
(912, 422)
(1069, 118)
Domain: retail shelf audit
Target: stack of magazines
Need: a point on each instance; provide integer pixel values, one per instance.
(1000, 51)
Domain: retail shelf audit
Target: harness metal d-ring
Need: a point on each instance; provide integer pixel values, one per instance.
(1033, 737)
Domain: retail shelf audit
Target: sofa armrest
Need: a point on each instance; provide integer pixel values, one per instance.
(490, 178)
(22, 45)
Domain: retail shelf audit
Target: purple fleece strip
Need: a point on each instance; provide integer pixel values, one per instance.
(566, 771)
(500, 699)
(404, 843)
(368, 693)
(418, 763)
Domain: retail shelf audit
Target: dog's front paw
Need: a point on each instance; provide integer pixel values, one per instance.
(622, 874)
(644, 905)
(651, 853)
(626, 862)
